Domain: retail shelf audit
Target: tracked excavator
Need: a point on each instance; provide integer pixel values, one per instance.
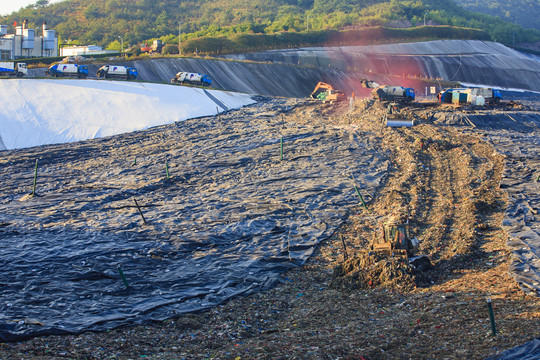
(326, 92)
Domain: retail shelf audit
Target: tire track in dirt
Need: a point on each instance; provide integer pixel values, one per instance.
(445, 183)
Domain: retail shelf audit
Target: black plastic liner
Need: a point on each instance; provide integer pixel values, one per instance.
(528, 351)
(224, 215)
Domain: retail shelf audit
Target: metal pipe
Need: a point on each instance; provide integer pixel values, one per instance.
(399, 123)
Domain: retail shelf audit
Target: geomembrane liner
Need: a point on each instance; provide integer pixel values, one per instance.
(224, 216)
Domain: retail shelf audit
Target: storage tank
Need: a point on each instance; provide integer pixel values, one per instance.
(28, 38)
(49, 39)
(3, 30)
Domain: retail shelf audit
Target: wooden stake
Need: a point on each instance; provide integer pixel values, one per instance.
(491, 317)
(35, 179)
(140, 212)
(345, 255)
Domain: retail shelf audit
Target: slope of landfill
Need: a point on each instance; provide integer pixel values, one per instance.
(446, 175)
(295, 72)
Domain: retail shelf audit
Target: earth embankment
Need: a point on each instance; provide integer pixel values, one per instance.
(295, 72)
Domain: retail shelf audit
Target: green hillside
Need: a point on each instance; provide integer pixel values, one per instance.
(523, 12)
(102, 21)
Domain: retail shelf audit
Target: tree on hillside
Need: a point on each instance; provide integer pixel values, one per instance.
(101, 21)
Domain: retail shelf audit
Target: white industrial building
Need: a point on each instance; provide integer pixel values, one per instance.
(84, 50)
(25, 44)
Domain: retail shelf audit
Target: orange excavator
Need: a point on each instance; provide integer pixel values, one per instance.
(326, 92)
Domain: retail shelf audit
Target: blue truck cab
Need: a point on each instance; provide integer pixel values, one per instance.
(206, 80)
(132, 73)
(409, 93)
(497, 95)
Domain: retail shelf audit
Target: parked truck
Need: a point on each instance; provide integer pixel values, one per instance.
(117, 72)
(156, 47)
(192, 78)
(393, 93)
(9, 68)
(68, 70)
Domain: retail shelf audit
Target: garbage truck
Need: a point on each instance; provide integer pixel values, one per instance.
(393, 93)
(68, 70)
(183, 77)
(10, 68)
(117, 72)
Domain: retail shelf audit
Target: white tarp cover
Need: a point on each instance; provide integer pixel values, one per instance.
(40, 112)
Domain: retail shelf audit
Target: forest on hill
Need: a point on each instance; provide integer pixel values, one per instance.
(522, 12)
(101, 22)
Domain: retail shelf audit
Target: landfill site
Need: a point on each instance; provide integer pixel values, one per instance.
(374, 202)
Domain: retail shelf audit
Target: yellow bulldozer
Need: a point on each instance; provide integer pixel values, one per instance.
(394, 238)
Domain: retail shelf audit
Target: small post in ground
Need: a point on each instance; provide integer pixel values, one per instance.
(35, 179)
(123, 277)
(140, 212)
(345, 255)
(360, 196)
(491, 317)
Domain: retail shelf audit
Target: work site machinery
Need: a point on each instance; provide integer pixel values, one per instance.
(326, 92)
(394, 238)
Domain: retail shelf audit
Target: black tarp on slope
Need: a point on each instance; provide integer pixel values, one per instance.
(229, 221)
(529, 351)
(470, 61)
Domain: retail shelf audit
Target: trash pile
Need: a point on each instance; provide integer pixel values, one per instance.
(368, 270)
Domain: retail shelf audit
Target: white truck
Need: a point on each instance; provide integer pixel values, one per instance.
(393, 93)
(192, 78)
(9, 68)
(68, 70)
(117, 72)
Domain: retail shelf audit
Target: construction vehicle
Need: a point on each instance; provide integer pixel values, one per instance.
(156, 47)
(68, 70)
(370, 84)
(393, 93)
(326, 92)
(9, 68)
(117, 72)
(394, 238)
(183, 77)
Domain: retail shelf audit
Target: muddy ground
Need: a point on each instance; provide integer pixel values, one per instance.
(446, 181)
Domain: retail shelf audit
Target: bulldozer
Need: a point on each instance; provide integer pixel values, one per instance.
(394, 238)
(326, 92)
